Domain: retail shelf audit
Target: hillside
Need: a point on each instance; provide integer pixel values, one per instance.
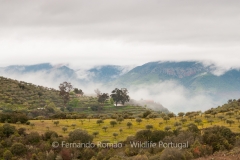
(42, 101)
(14, 93)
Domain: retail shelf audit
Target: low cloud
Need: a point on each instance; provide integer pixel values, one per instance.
(170, 94)
(173, 96)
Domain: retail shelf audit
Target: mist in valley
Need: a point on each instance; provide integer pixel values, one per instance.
(170, 94)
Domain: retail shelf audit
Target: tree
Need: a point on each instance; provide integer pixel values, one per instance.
(229, 114)
(166, 118)
(120, 119)
(80, 135)
(115, 135)
(103, 97)
(146, 113)
(138, 120)
(176, 124)
(64, 129)
(33, 138)
(73, 125)
(198, 121)
(22, 131)
(120, 130)
(207, 116)
(78, 91)
(99, 121)
(18, 149)
(113, 123)
(120, 95)
(56, 122)
(149, 126)
(183, 120)
(210, 121)
(167, 128)
(181, 114)
(7, 155)
(8, 129)
(143, 135)
(65, 89)
(170, 115)
(238, 118)
(96, 133)
(129, 124)
(105, 128)
(190, 116)
(193, 128)
(229, 121)
(221, 117)
(214, 113)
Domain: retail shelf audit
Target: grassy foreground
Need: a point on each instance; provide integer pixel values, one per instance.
(41, 126)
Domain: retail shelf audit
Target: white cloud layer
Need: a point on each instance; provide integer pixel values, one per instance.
(87, 33)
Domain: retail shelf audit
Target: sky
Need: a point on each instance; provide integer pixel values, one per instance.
(133, 32)
(83, 34)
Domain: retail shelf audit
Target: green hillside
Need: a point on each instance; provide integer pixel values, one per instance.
(18, 94)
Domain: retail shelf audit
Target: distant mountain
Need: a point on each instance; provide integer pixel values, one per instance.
(192, 75)
(57, 71)
(107, 73)
(99, 74)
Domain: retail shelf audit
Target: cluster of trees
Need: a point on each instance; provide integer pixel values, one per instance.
(211, 139)
(13, 117)
(117, 95)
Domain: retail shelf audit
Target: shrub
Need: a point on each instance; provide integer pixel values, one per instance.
(219, 137)
(80, 135)
(172, 154)
(113, 123)
(18, 149)
(143, 135)
(49, 134)
(7, 155)
(33, 137)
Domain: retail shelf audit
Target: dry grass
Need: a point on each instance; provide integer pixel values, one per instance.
(91, 126)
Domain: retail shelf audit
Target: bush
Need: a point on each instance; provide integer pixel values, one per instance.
(80, 135)
(199, 150)
(131, 151)
(172, 154)
(18, 149)
(33, 137)
(49, 134)
(157, 135)
(8, 130)
(143, 135)
(219, 138)
(7, 155)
